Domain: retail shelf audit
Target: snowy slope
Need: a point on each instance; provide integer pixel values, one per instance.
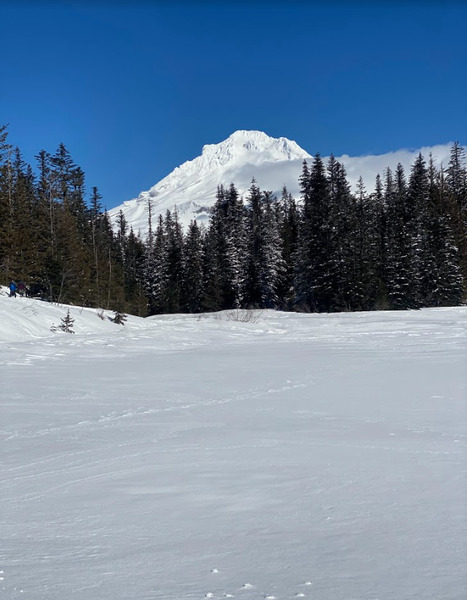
(273, 162)
(186, 457)
(23, 319)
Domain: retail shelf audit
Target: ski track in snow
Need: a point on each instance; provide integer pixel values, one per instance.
(182, 457)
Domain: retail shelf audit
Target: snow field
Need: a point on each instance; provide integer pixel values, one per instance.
(183, 457)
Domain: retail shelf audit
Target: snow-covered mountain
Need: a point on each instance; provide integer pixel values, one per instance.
(272, 162)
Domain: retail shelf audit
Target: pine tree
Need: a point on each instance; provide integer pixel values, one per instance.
(174, 257)
(155, 269)
(192, 282)
(96, 241)
(212, 287)
(67, 322)
(443, 284)
(379, 216)
(456, 196)
(134, 257)
(254, 232)
(289, 224)
(401, 278)
(6, 207)
(342, 243)
(24, 248)
(230, 244)
(271, 264)
(314, 267)
(367, 247)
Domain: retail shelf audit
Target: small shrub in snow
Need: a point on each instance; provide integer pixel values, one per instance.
(119, 318)
(66, 325)
(243, 315)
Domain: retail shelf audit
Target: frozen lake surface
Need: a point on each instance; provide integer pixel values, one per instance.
(184, 457)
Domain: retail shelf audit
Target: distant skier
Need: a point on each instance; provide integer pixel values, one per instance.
(21, 288)
(12, 289)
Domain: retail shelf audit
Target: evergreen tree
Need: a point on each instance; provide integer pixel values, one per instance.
(174, 257)
(254, 232)
(155, 269)
(192, 282)
(456, 201)
(379, 216)
(443, 283)
(288, 220)
(271, 264)
(315, 268)
(212, 287)
(418, 221)
(401, 278)
(230, 245)
(6, 207)
(342, 223)
(67, 322)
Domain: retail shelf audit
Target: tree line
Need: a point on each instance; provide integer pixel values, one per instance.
(52, 232)
(401, 246)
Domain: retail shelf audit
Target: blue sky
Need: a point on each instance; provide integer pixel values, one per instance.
(133, 89)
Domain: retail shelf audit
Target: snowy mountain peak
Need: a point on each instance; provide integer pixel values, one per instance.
(252, 146)
(191, 187)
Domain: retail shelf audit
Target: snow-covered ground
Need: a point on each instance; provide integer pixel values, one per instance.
(185, 457)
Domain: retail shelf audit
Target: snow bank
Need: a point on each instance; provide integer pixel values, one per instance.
(23, 319)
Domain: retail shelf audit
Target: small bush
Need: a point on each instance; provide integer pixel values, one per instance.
(66, 325)
(119, 318)
(243, 315)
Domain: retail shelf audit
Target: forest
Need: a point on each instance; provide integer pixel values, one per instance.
(402, 245)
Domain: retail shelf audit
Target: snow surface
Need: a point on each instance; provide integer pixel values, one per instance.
(273, 162)
(217, 456)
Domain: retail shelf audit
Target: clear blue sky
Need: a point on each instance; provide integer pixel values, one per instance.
(133, 89)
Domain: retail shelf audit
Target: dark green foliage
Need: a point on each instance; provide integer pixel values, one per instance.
(49, 235)
(192, 280)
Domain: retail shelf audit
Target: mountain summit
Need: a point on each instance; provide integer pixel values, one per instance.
(192, 186)
(249, 146)
(273, 162)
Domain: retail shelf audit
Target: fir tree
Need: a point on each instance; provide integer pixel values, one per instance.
(314, 278)
(271, 264)
(192, 282)
(400, 275)
(67, 322)
(456, 201)
(289, 225)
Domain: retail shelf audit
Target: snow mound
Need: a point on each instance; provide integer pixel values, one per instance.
(23, 319)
